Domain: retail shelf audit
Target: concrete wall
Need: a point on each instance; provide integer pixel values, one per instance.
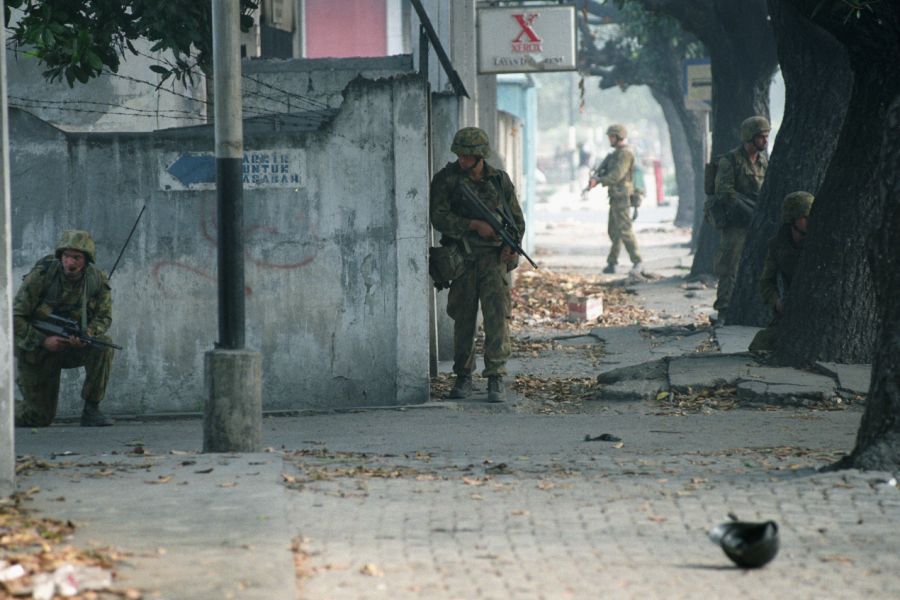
(315, 85)
(445, 124)
(336, 273)
(7, 437)
(127, 100)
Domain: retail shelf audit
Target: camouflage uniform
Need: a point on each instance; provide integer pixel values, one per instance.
(782, 260)
(46, 290)
(735, 173)
(616, 172)
(486, 278)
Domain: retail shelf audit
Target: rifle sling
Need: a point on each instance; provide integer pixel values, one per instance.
(506, 209)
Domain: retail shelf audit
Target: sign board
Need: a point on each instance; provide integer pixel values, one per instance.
(697, 84)
(526, 39)
(262, 169)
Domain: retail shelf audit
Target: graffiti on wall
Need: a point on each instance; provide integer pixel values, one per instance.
(285, 246)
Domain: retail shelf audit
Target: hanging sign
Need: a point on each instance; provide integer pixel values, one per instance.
(526, 39)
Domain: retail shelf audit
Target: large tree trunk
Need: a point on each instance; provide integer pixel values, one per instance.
(741, 48)
(863, 177)
(878, 439)
(830, 313)
(818, 81)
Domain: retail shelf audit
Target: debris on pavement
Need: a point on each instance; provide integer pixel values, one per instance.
(37, 560)
(603, 437)
(541, 298)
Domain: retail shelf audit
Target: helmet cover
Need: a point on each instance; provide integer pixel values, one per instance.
(81, 241)
(471, 141)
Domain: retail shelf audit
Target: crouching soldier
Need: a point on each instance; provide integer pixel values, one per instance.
(781, 264)
(66, 285)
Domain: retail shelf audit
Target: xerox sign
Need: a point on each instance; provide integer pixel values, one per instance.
(526, 39)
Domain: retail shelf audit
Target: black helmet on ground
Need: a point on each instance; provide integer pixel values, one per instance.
(749, 545)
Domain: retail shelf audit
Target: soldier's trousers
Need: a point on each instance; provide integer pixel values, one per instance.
(620, 233)
(486, 282)
(764, 340)
(39, 376)
(725, 264)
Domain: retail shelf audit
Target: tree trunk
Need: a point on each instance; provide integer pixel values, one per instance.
(818, 81)
(830, 314)
(862, 185)
(878, 439)
(681, 155)
(683, 124)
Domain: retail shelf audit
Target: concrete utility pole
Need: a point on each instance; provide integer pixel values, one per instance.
(232, 414)
(7, 436)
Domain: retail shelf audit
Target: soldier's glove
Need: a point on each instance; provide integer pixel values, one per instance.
(634, 215)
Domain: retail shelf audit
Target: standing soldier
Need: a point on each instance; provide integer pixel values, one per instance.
(616, 172)
(69, 286)
(487, 259)
(781, 264)
(739, 176)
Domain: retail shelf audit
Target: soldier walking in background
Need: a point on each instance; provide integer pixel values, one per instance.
(487, 259)
(66, 285)
(781, 264)
(739, 176)
(616, 172)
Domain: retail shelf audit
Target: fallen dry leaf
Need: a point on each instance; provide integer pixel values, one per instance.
(160, 480)
(372, 571)
(841, 559)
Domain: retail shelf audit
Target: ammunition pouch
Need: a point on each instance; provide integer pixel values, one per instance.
(445, 263)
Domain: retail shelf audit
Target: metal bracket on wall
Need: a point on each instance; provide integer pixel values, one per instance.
(458, 87)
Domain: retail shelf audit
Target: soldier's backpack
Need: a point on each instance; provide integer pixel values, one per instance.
(714, 213)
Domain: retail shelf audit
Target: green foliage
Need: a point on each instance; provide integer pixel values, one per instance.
(648, 40)
(79, 39)
(854, 7)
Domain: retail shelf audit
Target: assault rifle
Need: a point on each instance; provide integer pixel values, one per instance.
(68, 328)
(594, 175)
(506, 229)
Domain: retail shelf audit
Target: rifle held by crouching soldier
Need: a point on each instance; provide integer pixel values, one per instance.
(69, 328)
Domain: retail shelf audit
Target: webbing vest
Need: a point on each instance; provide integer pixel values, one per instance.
(52, 285)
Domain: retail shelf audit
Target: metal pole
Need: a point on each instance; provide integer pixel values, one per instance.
(229, 180)
(423, 52)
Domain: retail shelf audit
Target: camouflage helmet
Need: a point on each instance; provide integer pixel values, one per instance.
(753, 126)
(618, 130)
(77, 240)
(796, 205)
(471, 141)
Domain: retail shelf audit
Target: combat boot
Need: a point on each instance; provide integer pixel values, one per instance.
(610, 268)
(92, 417)
(462, 388)
(495, 388)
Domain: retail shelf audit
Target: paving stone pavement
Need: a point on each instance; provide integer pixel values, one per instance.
(589, 520)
